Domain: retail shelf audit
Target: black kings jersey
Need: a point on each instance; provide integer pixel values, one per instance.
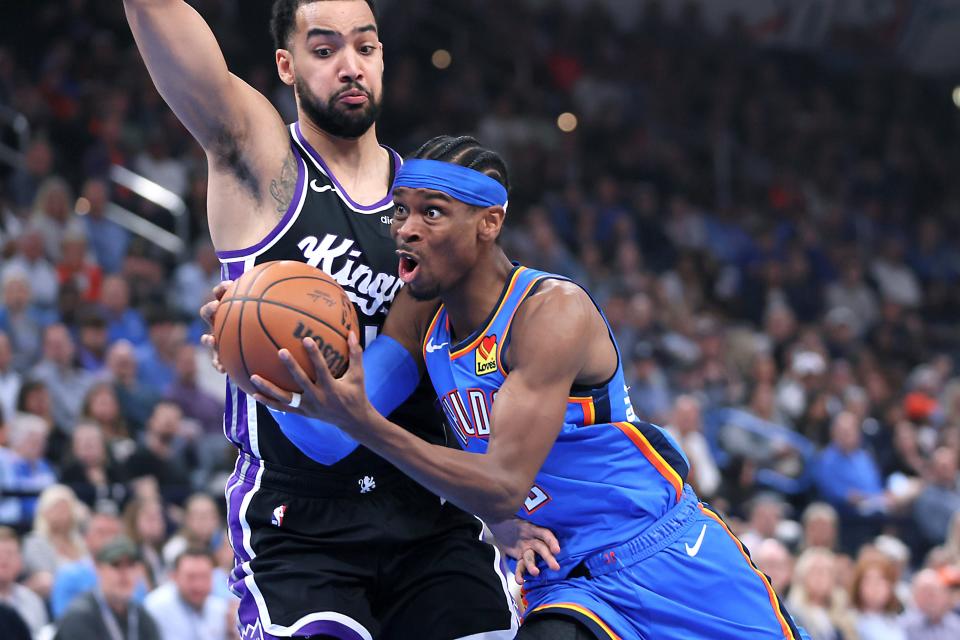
(325, 228)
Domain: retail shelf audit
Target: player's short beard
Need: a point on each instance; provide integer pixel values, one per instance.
(339, 120)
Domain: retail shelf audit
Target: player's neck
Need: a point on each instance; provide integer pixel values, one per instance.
(469, 303)
(342, 152)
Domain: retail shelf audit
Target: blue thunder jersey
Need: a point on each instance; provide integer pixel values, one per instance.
(608, 477)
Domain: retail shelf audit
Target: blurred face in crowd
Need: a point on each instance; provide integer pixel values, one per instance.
(118, 580)
(115, 294)
(334, 60)
(58, 345)
(93, 338)
(11, 562)
(60, 516)
(944, 467)
(88, 447)
(875, 590)
(31, 443)
(686, 414)
(846, 432)
(765, 516)
(101, 529)
(818, 579)
(37, 401)
(149, 523)
(95, 191)
(820, 530)
(775, 560)
(73, 252)
(930, 595)
(186, 363)
(31, 245)
(194, 579)
(56, 202)
(16, 294)
(103, 405)
(122, 362)
(164, 423)
(202, 520)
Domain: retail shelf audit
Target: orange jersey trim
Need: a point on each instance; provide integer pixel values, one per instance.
(589, 409)
(480, 336)
(652, 455)
(582, 611)
(774, 601)
(430, 328)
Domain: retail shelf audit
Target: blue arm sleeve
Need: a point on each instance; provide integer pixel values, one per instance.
(390, 377)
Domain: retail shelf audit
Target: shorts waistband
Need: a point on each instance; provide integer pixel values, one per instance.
(251, 469)
(666, 531)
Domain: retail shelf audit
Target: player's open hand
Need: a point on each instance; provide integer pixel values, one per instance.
(524, 541)
(207, 312)
(341, 401)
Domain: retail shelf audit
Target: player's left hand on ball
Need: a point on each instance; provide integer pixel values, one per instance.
(341, 401)
(524, 541)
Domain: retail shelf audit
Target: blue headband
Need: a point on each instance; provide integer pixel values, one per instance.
(466, 185)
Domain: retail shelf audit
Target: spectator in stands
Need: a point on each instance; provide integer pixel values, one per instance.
(34, 400)
(10, 379)
(68, 384)
(144, 523)
(92, 340)
(136, 400)
(195, 402)
(53, 215)
(193, 281)
(89, 471)
(896, 282)
(111, 604)
(775, 560)
(156, 358)
(38, 269)
(103, 407)
(686, 426)
(202, 528)
(75, 267)
(649, 389)
(24, 601)
(80, 576)
(185, 604)
(30, 472)
(940, 499)
(816, 601)
(56, 540)
(849, 479)
(930, 616)
(820, 524)
(161, 455)
(38, 162)
(766, 514)
(123, 322)
(874, 600)
(108, 240)
(851, 292)
(22, 320)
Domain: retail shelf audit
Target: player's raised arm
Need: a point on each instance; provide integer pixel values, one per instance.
(242, 133)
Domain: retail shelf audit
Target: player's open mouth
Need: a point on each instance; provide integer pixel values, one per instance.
(409, 265)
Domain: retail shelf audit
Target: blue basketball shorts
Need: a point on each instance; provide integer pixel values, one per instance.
(686, 577)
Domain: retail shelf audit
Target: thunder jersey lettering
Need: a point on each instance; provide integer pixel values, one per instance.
(608, 476)
(327, 229)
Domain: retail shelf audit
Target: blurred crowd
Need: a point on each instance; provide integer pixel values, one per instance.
(770, 234)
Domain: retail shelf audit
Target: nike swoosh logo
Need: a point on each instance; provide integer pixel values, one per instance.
(695, 549)
(435, 347)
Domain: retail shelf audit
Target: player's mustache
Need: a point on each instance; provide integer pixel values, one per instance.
(353, 86)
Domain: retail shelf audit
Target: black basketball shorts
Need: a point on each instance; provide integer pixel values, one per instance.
(359, 558)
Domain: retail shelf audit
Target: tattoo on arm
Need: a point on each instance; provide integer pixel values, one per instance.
(282, 189)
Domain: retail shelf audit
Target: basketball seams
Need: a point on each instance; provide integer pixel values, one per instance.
(290, 307)
(243, 357)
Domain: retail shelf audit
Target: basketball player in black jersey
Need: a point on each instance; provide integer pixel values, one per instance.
(349, 548)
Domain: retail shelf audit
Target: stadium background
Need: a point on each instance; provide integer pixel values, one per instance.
(762, 195)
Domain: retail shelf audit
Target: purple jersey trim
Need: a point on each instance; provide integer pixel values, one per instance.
(388, 199)
(294, 205)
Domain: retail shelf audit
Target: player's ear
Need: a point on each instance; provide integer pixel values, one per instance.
(491, 222)
(285, 67)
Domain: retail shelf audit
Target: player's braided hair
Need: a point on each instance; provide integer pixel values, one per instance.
(283, 20)
(466, 152)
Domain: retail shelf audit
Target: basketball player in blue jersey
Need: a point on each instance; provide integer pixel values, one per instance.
(530, 377)
(341, 545)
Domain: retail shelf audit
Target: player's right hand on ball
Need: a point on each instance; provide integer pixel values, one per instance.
(207, 313)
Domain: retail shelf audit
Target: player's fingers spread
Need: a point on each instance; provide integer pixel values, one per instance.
(543, 551)
(208, 310)
(355, 367)
(548, 538)
(316, 359)
(270, 390)
(518, 573)
(221, 289)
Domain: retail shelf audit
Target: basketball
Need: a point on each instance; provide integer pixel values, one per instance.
(274, 306)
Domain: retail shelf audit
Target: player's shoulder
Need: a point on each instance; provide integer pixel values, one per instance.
(556, 301)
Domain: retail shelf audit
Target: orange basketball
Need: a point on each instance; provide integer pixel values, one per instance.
(274, 306)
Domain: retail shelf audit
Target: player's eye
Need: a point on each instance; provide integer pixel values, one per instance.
(399, 211)
(433, 213)
(323, 52)
(367, 49)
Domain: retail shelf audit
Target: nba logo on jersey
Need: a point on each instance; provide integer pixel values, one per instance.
(278, 514)
(487, 355)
